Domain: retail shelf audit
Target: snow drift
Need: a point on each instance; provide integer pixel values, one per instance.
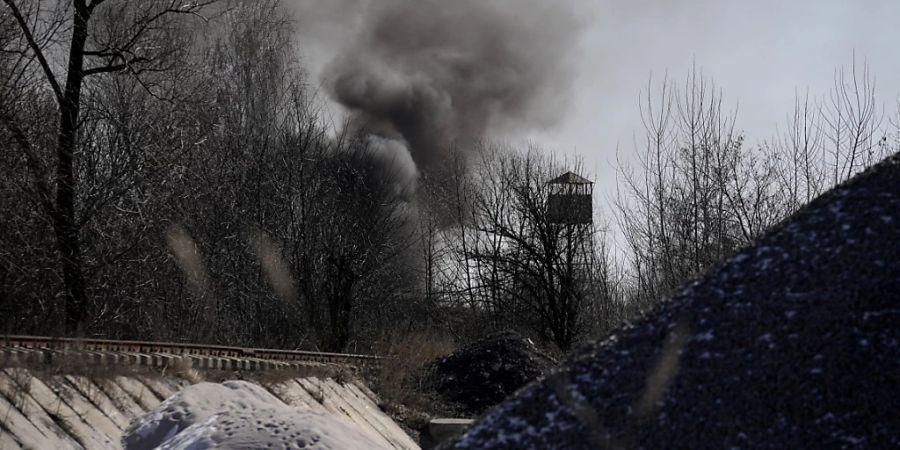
(239, 415)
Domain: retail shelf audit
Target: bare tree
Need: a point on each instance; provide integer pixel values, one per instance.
(90, 39)
(851, 122)
(827, 140)
(353, 246)
(529, 270)
(699, 192)
(696, 196)
(798, 154)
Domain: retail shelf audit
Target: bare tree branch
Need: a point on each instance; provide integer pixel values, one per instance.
(39, 53)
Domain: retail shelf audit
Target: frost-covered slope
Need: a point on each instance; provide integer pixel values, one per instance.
(75, 412)
(792, 343)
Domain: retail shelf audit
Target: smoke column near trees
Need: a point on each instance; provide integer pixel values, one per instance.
(428, 74)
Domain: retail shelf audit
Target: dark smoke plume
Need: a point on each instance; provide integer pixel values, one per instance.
(428, 74)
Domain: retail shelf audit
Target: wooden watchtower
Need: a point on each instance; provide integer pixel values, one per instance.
(570, 210)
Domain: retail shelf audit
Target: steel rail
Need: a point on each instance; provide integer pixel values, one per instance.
(183, 349)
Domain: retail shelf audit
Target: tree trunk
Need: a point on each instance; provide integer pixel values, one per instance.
(65, 225)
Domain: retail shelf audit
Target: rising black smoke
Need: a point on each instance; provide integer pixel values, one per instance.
(427, 74)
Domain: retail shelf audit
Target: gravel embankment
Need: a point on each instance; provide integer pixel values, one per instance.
(792, 343)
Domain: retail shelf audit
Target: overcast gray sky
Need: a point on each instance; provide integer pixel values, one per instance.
(757, 51)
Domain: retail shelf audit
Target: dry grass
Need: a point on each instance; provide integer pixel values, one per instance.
(267, 378)
(402, 378)
(184, 369)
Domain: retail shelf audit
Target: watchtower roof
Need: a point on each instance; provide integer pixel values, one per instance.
(570, 178)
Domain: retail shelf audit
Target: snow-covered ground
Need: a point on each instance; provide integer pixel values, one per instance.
(239, 415)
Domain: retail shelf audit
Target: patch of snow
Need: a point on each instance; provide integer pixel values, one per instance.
(873, 314)
(703, 337)
(740, 258)
(271, 428)
(238, 414)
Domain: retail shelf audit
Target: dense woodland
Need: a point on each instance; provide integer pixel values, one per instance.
(168, 171)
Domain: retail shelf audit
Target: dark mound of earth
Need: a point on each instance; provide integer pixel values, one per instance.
(792, 343)
(487, 371)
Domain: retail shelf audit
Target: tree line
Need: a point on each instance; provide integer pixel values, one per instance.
(168, 172)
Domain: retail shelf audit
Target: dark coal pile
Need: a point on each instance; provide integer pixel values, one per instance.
(793, 343)
(484, 373)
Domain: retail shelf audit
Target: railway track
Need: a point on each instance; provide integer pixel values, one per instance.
(108, 351)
